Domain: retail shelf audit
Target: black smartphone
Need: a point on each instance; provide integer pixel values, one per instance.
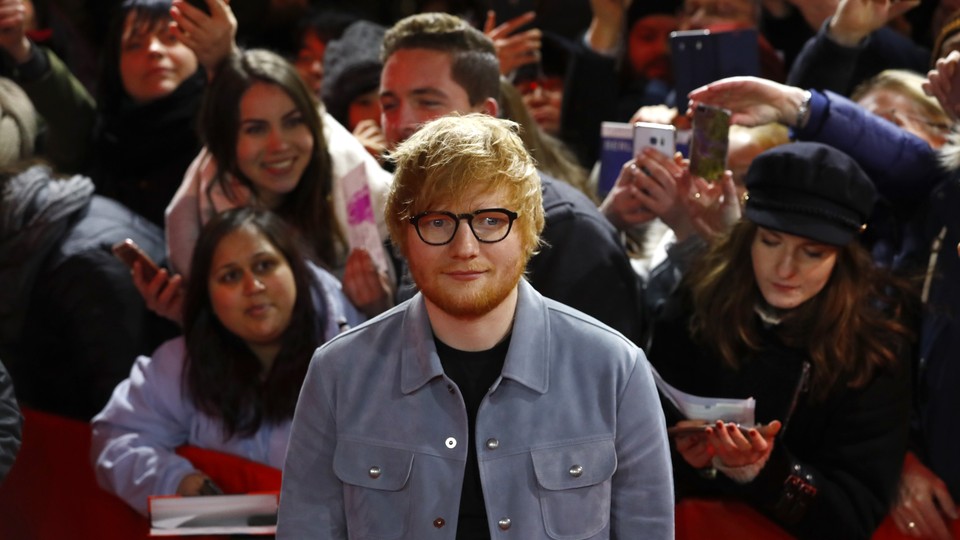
(709, 143)
(129, 252)
(199, 4)
(700, 57)
(679, 431)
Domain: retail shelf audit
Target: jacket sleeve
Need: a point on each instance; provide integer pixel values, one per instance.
(135, 435)
(11, 422)
(311, 499)
(64, 104)
(642, 493)
(826, 65)
(183, 217)
(903, 166)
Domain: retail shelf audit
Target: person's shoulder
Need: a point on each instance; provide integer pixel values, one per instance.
(574, 323)
(384, 330)
(563, 201)
(164, 366)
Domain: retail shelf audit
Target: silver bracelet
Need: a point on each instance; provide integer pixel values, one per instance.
(803, 110)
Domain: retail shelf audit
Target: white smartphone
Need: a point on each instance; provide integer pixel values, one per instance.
(660, 137)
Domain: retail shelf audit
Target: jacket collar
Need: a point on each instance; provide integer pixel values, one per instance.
(527, 359)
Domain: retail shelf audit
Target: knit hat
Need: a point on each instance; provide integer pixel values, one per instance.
(949, 29)
(18, 123)
(810, 190)
(351, 67)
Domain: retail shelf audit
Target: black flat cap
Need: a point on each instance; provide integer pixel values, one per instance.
(810, 190)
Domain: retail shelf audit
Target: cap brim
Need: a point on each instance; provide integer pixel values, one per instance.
(806, 226)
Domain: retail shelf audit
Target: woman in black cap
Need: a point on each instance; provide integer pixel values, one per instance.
(789, 309)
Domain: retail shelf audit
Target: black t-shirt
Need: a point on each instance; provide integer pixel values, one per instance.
(473, 373)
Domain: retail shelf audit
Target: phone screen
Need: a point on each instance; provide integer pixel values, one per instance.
(708, 148)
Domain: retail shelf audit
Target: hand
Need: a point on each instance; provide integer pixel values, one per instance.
(623, 206)
(192, 485)
(693, 447)
(366, 287)
(371, 136)
(751, 100)
(733, 449)
(923, 501)
(513, 50)
(163, 295)
(13, 30)
(714, 208)
(606, 26)
(941, 82)
(211, 37)
(662, 190)
(856, 19)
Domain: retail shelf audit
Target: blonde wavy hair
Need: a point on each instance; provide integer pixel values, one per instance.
(453, 159)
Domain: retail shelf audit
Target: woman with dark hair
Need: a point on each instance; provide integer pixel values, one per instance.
(268, 146)
(138, 138)
(149, 93)
(788, 308)
(253, 318)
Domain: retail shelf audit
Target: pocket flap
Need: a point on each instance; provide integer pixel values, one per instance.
(576, 465)
(371, 466)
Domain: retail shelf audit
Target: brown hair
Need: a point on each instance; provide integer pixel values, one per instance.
(850, 329)
(473, 58)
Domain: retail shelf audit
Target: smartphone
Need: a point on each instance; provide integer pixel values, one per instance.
(708, 145)
(199, 4)
(699, 57)
(660, 137)
(129, 252)
(677, 431)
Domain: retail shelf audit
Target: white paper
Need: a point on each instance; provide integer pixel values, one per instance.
(210, 514)
(361, 220)
(708, 409)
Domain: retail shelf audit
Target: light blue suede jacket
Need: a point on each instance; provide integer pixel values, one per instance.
(570, 438)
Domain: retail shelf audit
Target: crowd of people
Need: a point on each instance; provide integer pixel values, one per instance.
(374, 256)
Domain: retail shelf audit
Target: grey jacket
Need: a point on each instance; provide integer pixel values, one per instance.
(571, 438)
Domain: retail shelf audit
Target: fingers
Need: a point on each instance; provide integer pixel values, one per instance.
(507, 27)
(944, 500)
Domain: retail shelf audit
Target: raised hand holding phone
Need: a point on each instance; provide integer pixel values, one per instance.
(211, 33)
(162, 293)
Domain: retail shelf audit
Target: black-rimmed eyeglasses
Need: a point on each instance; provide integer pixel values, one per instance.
(489, 225)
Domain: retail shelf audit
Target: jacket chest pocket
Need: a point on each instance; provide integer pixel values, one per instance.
(575, 483)
(375, 499)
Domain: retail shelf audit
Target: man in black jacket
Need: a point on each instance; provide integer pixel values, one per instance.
(436, 64)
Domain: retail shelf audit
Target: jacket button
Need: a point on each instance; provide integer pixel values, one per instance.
(450, 442)
(375, 472)
(504, 523)
(493, 444)
(439, 523)
(576, 471)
